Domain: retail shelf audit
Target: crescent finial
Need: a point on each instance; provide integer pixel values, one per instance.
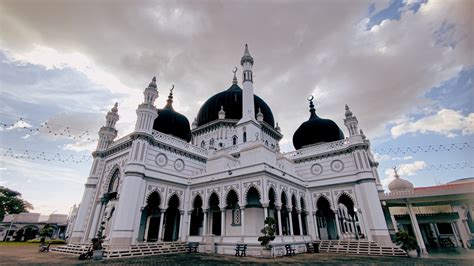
(310, 98)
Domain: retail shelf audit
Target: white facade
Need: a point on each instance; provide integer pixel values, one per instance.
(150, 186)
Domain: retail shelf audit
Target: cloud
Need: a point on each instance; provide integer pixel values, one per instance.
(408, 169)
(18, 124)
(445, 122)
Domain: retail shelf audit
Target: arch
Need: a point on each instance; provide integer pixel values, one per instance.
(232, 203)
(234, 140)
(325, 219)
(214, 214)
(174, 194)
(157, 191)
(294, 216)
(253, 198)
(226, 195)
(254, 187)
(345, 196)
(304, 217)
(325, 198)
(347, 217)
(114, 181)
(115, 171)
(285, 215)
(197, 216)
(203, 144)
(172, 219)
(213, 192)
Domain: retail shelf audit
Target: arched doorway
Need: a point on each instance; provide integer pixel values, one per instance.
(285, 224)
(294, 217)
(172, 218)
(215, 214)
(272, 212)
(150, 222)
(304, 221)
(347, 218)
(232, 215)
(325, 220)
(253, 212)
(197, 217)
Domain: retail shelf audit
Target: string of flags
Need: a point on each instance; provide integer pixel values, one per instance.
(427, 148)
(45, 156)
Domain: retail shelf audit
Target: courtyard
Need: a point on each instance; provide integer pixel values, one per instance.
(24, 254)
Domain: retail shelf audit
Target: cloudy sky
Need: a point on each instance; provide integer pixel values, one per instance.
(405, 68)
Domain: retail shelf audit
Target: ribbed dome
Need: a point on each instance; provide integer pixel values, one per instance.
(316, 130)
(231, 100)
(171, 122)
(399, 184)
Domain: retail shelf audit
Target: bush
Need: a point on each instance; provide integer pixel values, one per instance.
(268, 233)
(52, 241)
(406, 241)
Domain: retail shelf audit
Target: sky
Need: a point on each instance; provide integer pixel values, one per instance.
(404, 67)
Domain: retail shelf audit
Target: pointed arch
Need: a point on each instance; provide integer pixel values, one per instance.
(260, 194)
(157, 191)
(174, 193)
(115, 173)
(325, 198)
(345, 194)
(253, 198)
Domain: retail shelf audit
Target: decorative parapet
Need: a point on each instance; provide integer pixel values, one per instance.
(119, 141)
(326, 148)
(448, 189)
(179, 144)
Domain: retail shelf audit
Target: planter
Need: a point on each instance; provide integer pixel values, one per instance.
(97, 254)
(412, 253)
(266, 253)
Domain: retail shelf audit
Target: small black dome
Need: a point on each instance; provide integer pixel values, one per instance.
(231, 100)
(316, 130)
(171, 122)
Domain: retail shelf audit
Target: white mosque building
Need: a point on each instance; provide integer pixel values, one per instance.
(215, 181)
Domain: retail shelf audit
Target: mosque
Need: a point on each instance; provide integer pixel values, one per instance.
(216, 180)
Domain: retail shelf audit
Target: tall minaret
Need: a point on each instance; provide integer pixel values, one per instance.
(147, 112)
(351, 122)
(108, 133)
(248, 107)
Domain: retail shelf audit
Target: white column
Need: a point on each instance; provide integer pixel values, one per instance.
(459, 225)
(181, 218)
(160, 230)
(315, 218)
(290, 217)
(339, 235)
(242, 220)
(265, 212)
(204, 229)
(77, 234)
(299, 222)
(362, 223)
(189, 223)
(416, 229)
(280, 231)
(222, 221)
(147, 227)
(394, 222)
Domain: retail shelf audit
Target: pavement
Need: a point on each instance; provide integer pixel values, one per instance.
(29, 255)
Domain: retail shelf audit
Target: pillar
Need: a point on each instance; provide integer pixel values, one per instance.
(160, 230)
(339, 235)
(416, 229)
(299, 222)
(315, 218)
(265, 211)
(189, 223)
(242, 220)
(222, 222)
(181, 218)
(279, 220)
(290, 217)
(204, 229)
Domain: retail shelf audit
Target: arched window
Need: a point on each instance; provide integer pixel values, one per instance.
(211, 143)
(234, 140)
(203, 144)
(245, 137)
(114, 182)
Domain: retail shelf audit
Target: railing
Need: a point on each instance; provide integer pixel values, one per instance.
(324, 147)
(177, 143)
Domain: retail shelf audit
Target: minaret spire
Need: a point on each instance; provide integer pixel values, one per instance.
(248, 107)
(312, 111)
(169, 102)
(351, 122)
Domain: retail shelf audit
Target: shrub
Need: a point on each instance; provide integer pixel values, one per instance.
(406, 241)
(268, 233)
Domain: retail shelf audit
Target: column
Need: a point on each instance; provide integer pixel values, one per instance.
(455, 232)
(222, 222)
(181, 218)
(458, 224)
(204, 226)
(394, 222)
(189, 223)
(315, 218)
(160, 230)
(290, 217)
(242, 220)
(280, 232)
(362, 223)
(337, 224)
(265, 211)
(299, 222)
(416, 229)
(147, 227)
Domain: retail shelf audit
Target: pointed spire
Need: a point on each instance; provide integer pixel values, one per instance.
(152, 84)
(395, 172)
(246, 57)
(259, 115)
(234, 81)
(277, 128)
(311, 107)
(115, 108)
(348, 111)
(169, 102)
(194, 124)
(221, 113)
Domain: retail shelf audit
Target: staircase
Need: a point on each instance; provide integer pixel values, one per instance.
(142, 249)
(360, 248)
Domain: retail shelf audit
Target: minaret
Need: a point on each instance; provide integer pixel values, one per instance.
(248, 107)
(108, 133)
(351, 122)
(147, 112)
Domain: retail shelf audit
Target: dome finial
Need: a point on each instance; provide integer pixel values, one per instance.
(221, 113)
(348, 111)
(152, 83)
(395, 172)
(234, 81)
(311, 107)
(169, 102)
(115, 108)
(259, 115)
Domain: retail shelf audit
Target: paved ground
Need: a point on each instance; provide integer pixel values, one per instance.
(28, 254)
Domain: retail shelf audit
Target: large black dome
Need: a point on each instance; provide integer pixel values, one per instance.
(316, 130)
(171, 122)
(231, 99)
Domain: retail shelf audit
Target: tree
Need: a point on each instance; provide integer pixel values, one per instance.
(406, 241)
(12, 203)
(268, 233)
